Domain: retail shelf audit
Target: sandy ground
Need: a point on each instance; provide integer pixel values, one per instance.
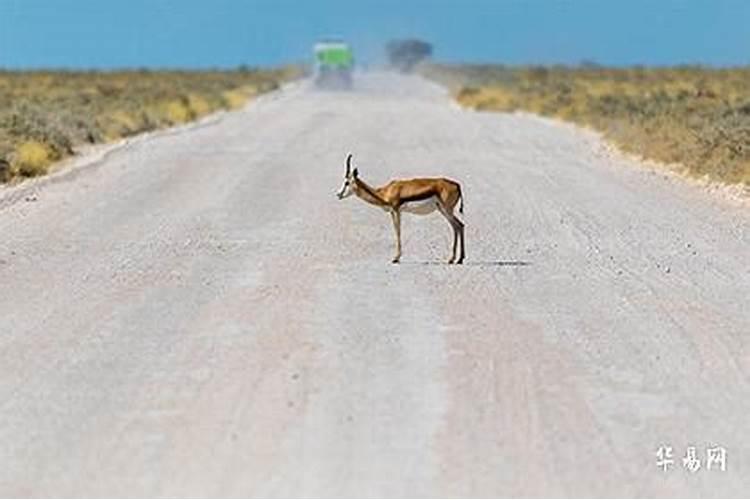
(198, 315)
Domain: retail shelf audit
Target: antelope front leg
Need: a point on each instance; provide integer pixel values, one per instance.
(455, 244)
(396, 217)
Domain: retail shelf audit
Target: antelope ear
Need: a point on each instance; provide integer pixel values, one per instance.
(355, 173)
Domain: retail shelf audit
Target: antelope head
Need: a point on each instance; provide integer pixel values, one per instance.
(350, 177)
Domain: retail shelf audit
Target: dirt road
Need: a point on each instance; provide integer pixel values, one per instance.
(199, 315)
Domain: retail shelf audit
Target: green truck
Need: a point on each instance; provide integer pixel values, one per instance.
(334, 63)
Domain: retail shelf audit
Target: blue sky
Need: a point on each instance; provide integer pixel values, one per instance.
(226, 33)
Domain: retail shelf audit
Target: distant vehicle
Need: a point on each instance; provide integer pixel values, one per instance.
(334, 63)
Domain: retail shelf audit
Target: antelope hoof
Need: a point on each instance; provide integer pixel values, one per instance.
(460, 261)
(452, 259)
(395, 260)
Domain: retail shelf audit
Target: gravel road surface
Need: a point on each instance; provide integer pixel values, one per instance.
(196, 314)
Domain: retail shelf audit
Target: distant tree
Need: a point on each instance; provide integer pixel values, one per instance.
(405, 54)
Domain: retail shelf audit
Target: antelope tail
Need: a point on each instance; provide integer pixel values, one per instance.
(461, 198)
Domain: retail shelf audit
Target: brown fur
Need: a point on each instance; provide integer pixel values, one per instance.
(394, 195)
(403, 191)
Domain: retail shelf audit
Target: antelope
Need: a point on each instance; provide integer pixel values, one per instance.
(417, 196)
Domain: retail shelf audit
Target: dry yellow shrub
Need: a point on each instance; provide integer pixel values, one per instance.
(198, 105)
(45, 114)
(32, 158)
(176, 112)
(236, 98)
(119, 124)
(487, 98)
(697, 117)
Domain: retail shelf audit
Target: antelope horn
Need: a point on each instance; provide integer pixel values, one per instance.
(348, 164)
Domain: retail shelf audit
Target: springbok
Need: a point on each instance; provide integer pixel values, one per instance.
(417, 196)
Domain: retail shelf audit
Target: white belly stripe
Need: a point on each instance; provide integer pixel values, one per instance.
(422, 207)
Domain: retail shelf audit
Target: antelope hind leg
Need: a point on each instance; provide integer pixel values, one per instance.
(454, 222)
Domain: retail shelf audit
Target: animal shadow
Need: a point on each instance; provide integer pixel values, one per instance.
(474, 263)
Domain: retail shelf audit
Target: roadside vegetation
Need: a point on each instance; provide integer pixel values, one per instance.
(44, 115)
(693, 116)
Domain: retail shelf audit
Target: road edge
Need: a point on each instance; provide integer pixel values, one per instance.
(90, 157)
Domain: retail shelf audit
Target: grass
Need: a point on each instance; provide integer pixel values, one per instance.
(44, 115)
(693, 116)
